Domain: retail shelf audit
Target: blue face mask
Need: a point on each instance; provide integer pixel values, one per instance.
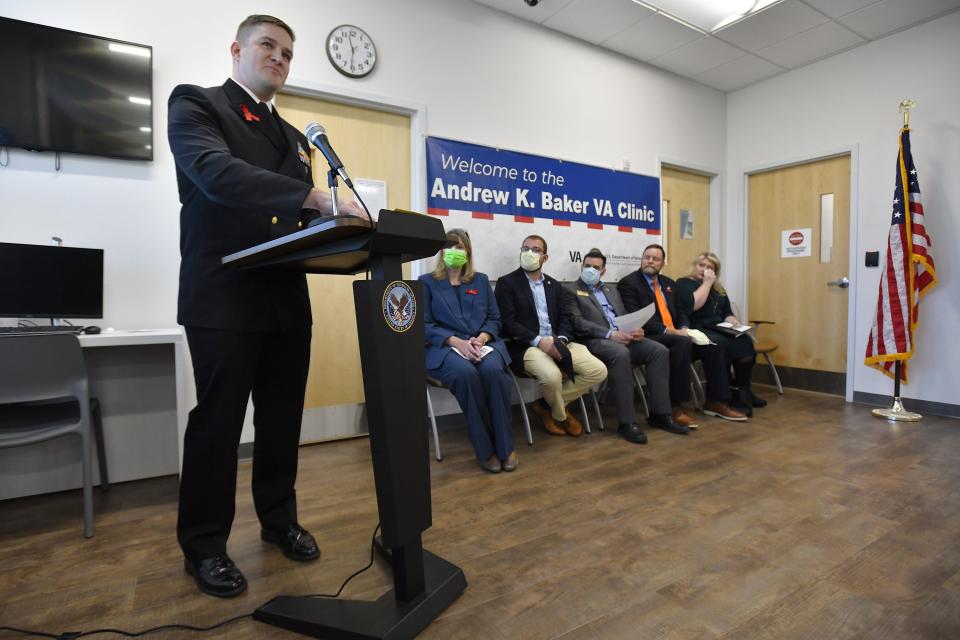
(590, 276)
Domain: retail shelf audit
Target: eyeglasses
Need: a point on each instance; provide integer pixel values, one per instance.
(536, 250)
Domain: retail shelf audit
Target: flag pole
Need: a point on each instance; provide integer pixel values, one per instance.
(897, 412)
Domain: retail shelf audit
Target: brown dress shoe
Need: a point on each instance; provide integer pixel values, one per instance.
(723, 410)
(572, 426)
(683, 419)
(549, 423)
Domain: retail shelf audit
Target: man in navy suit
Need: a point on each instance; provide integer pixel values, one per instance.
(540, 334)
(244, 178)
(668, 326)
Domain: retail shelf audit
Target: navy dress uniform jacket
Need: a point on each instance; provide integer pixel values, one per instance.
(242, 179)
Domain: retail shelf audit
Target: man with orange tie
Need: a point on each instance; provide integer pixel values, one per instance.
(668, 326)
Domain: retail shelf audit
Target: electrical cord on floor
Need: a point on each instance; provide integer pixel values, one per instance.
(71, 635)
(373, 544)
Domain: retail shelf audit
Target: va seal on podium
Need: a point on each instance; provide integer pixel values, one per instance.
(399, 306)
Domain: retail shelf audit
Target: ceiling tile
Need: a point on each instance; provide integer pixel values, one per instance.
(596, 20)
(652, 37)
(886, 16)
(543, 11)
(777, 23)
(816, 43)
(738, 73)
(837, 8)
(697, 57)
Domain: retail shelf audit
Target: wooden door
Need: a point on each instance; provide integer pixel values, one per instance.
(687, 198)
(374, 145)
(811, 316)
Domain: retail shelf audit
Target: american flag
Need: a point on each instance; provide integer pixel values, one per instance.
(908, 274)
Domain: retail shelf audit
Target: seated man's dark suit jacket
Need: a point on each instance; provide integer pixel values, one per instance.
(518, 313)
(636, 294)
(235, 176)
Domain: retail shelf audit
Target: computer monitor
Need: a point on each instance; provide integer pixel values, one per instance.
(39, 281)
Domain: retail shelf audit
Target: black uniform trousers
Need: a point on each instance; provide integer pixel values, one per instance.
(228, 366)
(682, 352)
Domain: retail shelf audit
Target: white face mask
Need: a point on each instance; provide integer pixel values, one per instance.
(590, 276)
(529, 261)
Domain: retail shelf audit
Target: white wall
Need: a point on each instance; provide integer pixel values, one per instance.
(484, 76)
(851, 101)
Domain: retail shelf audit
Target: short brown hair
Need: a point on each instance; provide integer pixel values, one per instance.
(663, 252)
(540, 238)
(254, 20)
(596, 253)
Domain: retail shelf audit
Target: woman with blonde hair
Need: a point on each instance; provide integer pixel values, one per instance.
(465, 352)
(706, 304)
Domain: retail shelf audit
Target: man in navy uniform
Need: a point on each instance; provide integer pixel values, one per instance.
(244, 178)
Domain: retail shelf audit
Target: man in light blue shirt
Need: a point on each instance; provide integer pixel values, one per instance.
(539, 334)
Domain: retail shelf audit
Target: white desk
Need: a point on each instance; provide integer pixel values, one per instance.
(138, 377)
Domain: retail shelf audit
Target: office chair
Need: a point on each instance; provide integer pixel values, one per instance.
(44, 395)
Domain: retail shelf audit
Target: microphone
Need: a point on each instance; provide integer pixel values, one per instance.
(317, 135)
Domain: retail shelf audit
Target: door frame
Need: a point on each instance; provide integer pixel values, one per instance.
(417, 111)
(715, 193)
(854, 152)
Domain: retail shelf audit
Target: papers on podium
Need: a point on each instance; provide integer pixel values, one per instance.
(634, 321)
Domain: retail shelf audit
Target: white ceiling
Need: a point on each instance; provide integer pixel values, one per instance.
(784, 36)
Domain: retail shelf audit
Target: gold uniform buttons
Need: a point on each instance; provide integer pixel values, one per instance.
(274, 220)
(300, 224)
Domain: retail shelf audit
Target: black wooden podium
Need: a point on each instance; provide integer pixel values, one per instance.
(390, 330)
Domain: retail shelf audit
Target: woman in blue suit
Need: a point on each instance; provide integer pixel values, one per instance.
(465, 352)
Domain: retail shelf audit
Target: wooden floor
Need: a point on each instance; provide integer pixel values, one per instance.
(813, 520)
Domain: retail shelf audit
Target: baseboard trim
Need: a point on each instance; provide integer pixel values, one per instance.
(807, 379)
(923, 407)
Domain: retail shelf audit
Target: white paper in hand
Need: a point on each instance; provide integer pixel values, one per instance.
(484, 350)
(635, 321)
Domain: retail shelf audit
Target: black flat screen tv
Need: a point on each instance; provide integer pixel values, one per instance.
(42, 281)
(76, 93)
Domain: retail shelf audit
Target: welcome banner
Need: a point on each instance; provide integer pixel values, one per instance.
(501, 197)
(488, 182)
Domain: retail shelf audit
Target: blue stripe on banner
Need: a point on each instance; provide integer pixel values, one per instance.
(471, 177)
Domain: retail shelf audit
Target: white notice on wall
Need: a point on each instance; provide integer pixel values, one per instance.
(374, 194)
(795, 243)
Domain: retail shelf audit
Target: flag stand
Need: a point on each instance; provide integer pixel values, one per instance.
(897, 412)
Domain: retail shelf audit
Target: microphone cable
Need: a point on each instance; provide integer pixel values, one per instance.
(72, 635)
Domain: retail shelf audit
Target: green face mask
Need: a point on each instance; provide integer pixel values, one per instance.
(454, 258)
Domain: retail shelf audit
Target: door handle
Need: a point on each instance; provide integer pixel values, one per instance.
(843, 282)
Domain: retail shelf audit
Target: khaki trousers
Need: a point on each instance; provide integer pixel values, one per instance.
(556, 391)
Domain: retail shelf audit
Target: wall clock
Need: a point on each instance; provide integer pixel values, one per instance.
(351, 51)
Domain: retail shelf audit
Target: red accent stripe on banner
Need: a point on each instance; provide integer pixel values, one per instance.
(526, 219)
(561, 223)
(594, 225)
(438, 212)
(625, 229)
(653, 232)
(482, 216)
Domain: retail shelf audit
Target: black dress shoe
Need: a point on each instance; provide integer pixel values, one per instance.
(217, 576)
(294, 541)
(756, 400)
(632, 433)
(666, 422)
